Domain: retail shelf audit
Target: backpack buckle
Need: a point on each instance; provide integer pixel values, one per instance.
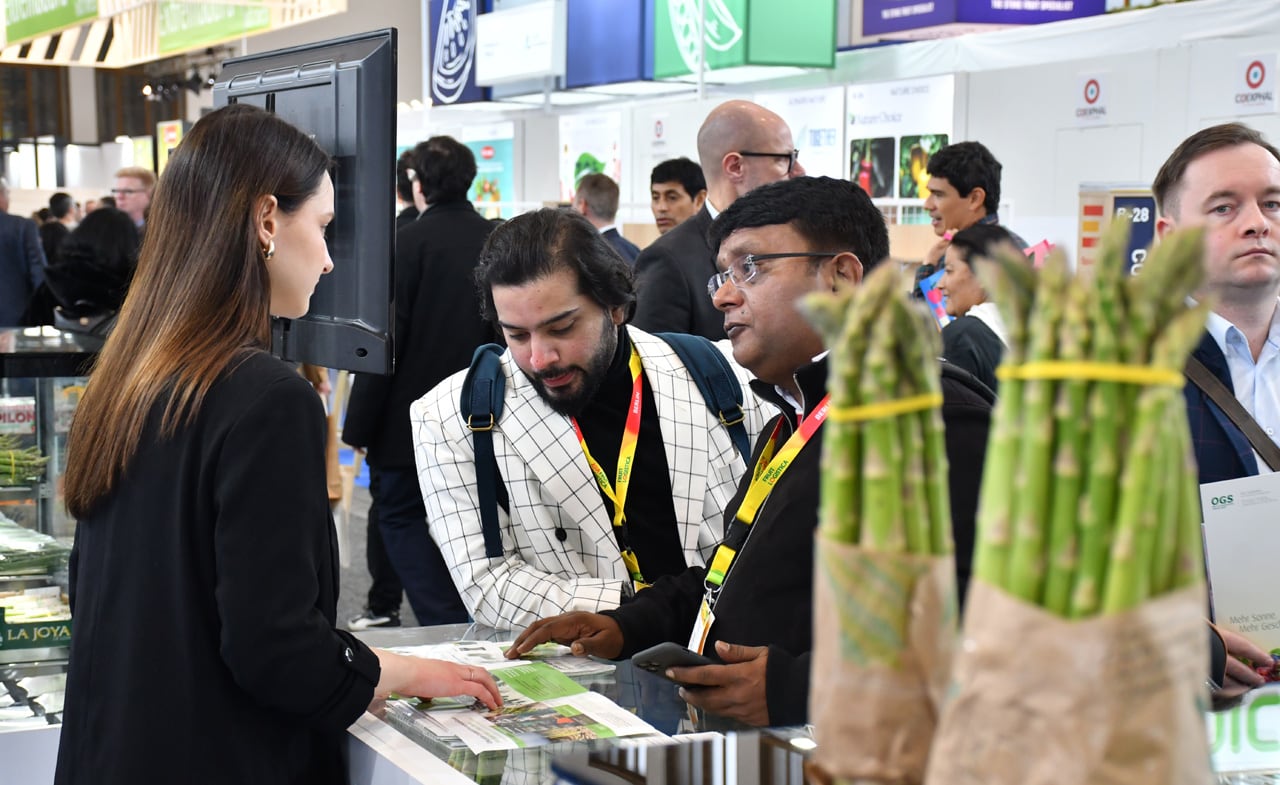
(726, 421)
(486, 427)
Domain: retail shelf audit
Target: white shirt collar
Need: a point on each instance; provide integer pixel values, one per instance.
(1226, 333)
(786, 396)
(711, 208)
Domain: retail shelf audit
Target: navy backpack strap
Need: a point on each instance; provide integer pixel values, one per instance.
(716, 381)
(481, 406)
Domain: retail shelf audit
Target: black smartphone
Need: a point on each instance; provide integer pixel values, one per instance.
(656, 659)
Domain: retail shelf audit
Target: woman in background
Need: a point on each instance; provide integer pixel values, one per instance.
(976, 339)
(204, 576)
(85, 285)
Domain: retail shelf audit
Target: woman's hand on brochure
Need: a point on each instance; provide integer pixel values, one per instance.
(584, 633)
(423, 678)
(735, 690)
(1243, 656)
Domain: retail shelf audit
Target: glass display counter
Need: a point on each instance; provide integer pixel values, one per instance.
(652, 698)
(41, 378)
(702, 750)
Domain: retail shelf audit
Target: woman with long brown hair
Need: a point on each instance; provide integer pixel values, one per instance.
(204, 574)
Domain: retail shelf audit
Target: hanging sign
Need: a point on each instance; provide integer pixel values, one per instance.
(452, 43)
(26, 19)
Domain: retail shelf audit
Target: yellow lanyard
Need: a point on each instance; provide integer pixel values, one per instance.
(617, 492)
(768, 470)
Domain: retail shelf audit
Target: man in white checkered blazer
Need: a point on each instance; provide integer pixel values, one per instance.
(562, 296)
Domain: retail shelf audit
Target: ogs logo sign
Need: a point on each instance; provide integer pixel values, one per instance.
(1221, 502)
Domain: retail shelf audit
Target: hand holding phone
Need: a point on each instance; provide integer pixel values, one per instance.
(657, 659)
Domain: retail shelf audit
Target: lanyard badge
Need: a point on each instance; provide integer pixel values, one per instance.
(616, 492)
(768, 471)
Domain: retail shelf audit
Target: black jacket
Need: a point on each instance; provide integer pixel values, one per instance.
(406, 217)
(438, 326)
(767, 600)
(969, 343)
(673, 273)
(203, 593)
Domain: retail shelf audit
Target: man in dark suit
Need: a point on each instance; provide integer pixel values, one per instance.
(597, 199)
(1226, 180)
(437, 328)
(21, 262)
(677, 190)
(61, 220)
(741, 146)
(404, 191)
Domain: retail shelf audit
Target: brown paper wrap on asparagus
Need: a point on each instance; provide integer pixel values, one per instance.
(884, 578)
(1084, 653)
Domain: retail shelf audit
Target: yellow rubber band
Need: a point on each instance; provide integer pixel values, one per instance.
(1094, 372)
(885, 409)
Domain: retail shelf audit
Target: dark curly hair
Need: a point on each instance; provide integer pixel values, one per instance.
(540, 243)
(969, 165)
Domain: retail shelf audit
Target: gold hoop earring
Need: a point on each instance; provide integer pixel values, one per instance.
(269, 251)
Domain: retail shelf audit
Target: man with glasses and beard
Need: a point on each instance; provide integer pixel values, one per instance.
(585, 394)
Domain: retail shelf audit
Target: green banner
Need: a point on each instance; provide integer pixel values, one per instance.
(675, 36)
(797, 33)
(185, 26)
(25, 19)
(743, 32)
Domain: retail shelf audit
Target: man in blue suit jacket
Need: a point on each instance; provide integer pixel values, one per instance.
(1226, 180)
(597, 198)
(21, 262)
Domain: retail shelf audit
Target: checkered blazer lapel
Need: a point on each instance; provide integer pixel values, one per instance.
(679, 405)
(550, 449)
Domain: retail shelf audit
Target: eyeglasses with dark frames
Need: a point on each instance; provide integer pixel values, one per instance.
(791, 157)
(745, 270)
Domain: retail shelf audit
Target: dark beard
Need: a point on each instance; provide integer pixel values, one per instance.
(592, 376)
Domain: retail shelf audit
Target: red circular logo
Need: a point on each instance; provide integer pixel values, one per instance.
(486, 152)
(1092, 91)
(657, 129)
(1255, 74)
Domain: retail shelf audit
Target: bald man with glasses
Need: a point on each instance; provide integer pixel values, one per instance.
(741, 146)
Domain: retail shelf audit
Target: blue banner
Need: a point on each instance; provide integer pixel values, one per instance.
(880, 17)
(608, 42)
(451, 52)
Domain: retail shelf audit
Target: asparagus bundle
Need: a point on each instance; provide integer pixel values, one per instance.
(884, 594)
(1083, 635)
(23, 551)
(19, 465)
(1084, 498)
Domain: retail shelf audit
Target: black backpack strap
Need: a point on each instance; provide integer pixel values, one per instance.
(716, 381)
(481, 406)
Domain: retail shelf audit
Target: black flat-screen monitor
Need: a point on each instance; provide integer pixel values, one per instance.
(343, 93)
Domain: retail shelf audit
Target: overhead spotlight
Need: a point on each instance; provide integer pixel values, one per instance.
(210, 80)
(147, 89)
